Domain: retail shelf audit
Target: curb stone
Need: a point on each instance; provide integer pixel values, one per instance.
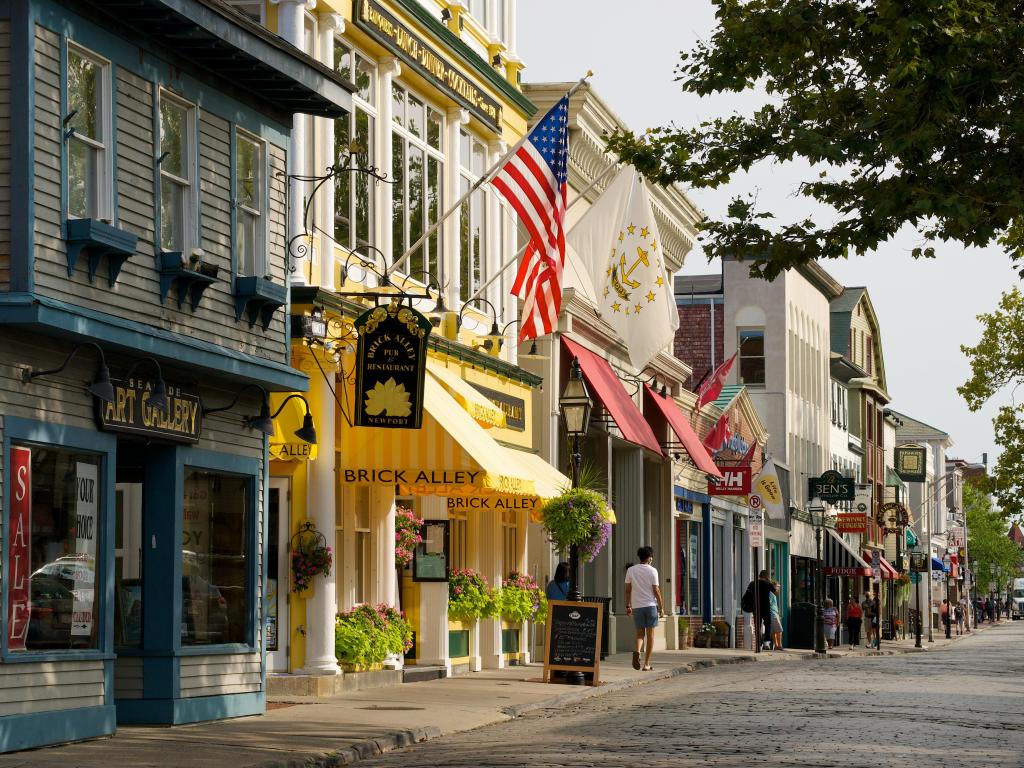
(398, 739)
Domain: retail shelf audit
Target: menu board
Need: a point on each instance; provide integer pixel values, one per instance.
(573, 638)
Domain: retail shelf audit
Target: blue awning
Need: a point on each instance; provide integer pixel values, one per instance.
(937, 565)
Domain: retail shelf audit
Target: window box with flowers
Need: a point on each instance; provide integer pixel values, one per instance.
(368, 634)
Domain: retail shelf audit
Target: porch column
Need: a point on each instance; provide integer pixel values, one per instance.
(432, 633)
(450, 271)
(322, 606)
(489, 544)
(389, 69)
(331, 24)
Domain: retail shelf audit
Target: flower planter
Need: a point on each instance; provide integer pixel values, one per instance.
(703, 639)
(350, 668)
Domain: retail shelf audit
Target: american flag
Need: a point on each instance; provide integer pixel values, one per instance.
(533, 180)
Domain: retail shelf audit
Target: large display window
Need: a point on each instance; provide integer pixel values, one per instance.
(53, 536)
(215, 568)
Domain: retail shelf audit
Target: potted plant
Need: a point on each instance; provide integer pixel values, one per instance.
(721, 638)
(310, 558)
(368, 634)
(578, 516)
(469, 596)
(684, 632)
(407, 535)
(521, 599)
(705, 635)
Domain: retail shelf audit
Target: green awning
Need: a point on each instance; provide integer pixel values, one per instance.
(911, 538)
(892, 480)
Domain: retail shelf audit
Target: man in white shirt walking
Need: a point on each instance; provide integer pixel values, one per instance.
(644, 604)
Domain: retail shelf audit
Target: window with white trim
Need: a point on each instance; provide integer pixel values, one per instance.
(472, 224)
(752, 358)
(177, 174)
(417, 166)
(353, 193)
(250, 206)
(90, 178)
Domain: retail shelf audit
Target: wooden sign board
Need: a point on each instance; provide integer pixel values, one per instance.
(573, 641)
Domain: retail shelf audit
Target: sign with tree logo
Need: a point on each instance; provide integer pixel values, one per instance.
(391, 358)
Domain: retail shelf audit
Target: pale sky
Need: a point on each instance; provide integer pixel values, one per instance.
(926, 309)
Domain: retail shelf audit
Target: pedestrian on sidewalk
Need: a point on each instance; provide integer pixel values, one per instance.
(853, 619)
(558, 587)
(773, 610)
(990, 607)
(958, 614)
(867, 608)
(643, 602)
(944, 616)
(830, 616)
(756, 601)
(876, 619)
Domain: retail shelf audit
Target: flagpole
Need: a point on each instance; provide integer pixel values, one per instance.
(597, 180)
(477, 184)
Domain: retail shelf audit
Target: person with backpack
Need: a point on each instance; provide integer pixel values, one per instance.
(755, 600)
(854, 616)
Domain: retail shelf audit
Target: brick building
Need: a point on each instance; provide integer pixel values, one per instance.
(699, 340)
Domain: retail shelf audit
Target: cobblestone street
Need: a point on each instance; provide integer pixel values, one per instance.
(966, 710)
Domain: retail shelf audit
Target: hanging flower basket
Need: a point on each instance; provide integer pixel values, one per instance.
(579, 516)
(310, 557)
(407, 535)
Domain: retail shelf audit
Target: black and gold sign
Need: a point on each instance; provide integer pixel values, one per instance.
(391, 358)
(911, 463)
(892, 517)
(131, 413)
(831, 487)
(428, 62)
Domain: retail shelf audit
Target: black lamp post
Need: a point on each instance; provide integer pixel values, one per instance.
(817, 510)
(947, 563)
(915, 567)
(575, 405)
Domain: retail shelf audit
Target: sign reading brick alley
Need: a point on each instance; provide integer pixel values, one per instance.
(427, 61)
(391, 358)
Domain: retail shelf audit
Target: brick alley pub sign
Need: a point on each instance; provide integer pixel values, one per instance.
(130, 413)
(831, 487)
(428, 62)
(391, 358)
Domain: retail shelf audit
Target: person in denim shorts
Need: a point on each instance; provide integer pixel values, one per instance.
(644, 604)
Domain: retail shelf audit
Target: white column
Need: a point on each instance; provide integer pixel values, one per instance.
(322, 606)
(456, 119)
(290, 27)
(432, 637)
(383, 581)
(494, 254)
(389, 68)
(511, 31)
(331, 24)
(489, 544)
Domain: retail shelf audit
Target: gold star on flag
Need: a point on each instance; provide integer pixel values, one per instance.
(631, 229)
(660, 280)
(608, 272)
(654, 245)
(627, 310)
(616, 307)
(606, 290)
(637, 309)
(650, 295)
(645, 232)
(621, 235)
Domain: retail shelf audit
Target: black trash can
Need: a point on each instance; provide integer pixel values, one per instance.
(605, 621)
(801, 626)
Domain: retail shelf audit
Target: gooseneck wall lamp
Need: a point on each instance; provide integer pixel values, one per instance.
(100, 386)
(158, 398)
(264, 421)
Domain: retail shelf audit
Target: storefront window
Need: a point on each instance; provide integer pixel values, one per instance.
(718, 553)
(417, 169)
(802, 587)
(510, 540)
(458, 534)
(689, 594)
(53, 526)
(363, 558)
(215, 558)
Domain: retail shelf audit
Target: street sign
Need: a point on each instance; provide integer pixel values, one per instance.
(756, 534)
(831, 487)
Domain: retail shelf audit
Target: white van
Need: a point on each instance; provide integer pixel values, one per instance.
(1017, 609)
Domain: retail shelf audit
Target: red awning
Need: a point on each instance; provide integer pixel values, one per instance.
(608, 389)
(888, 572)
(684, 432)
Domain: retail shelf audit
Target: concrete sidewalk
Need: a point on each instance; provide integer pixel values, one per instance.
(308, 732)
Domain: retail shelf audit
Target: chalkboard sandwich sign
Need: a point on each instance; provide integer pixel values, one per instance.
(573, 639)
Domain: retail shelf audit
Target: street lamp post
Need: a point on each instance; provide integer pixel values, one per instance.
(917, 596)
(575, 405)
(817, 510)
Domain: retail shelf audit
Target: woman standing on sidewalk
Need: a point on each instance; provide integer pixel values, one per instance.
(830, 617)
(773, 605)
(853, 619)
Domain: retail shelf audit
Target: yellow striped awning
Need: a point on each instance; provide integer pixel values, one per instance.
(486, 413)
(284, 445)
(450, 455)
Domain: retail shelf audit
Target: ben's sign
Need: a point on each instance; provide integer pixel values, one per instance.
(735, 482)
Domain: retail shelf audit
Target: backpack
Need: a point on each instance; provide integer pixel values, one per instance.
(747, 601)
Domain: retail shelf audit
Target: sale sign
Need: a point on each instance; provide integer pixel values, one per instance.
(735, 482)
(19, 556)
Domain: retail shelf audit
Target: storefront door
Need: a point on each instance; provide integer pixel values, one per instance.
(275, 609)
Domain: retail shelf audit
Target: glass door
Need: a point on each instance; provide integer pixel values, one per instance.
(128, 565)
(275, 608)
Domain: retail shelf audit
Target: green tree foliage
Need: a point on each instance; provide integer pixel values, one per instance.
(912, 111)
(997, 361)
(988, 547)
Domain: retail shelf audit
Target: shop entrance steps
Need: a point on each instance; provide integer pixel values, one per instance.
(421, 674)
